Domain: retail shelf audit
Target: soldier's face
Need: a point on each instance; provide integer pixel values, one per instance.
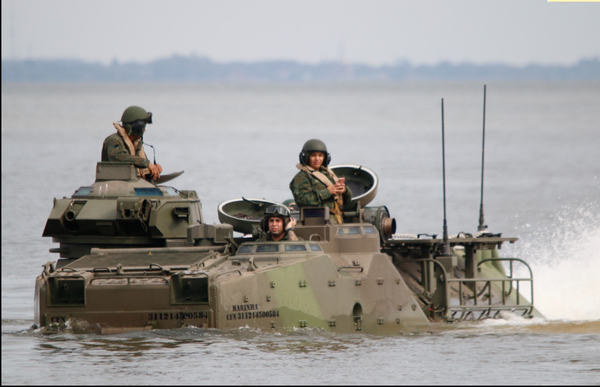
(275, 226)
(315, 160)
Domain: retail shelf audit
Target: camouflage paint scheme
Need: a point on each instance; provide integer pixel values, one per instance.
(135, 256)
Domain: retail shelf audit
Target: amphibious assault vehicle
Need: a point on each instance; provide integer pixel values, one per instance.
(135, 256)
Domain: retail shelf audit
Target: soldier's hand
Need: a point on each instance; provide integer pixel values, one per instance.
(336, 189)
(291, 224)
(155, 170)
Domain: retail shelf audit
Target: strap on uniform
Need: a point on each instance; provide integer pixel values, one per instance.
(338, 199)
(132, 148)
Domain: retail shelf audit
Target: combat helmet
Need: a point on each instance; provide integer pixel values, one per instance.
(277, 211)
(134, 120)
(314, 145)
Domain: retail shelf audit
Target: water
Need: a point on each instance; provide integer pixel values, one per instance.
(542, 185)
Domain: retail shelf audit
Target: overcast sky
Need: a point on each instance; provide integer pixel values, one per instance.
(373, 32)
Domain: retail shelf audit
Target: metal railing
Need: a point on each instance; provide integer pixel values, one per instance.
(478, 309)
(488, 307)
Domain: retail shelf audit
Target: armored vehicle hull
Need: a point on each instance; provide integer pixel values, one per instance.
(354, 277)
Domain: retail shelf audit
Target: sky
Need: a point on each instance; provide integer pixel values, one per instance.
(373, 32)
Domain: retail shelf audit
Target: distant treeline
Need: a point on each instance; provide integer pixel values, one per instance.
(201, 69)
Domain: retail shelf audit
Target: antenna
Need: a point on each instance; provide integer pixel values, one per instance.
(153, 151)
(482, 226)
(445, 245)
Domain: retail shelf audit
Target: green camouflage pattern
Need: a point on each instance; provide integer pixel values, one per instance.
(115, 150)
(309, 191)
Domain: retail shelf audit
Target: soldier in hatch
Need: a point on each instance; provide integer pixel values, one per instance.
(127, 144)
(316, 185)
(278, 225)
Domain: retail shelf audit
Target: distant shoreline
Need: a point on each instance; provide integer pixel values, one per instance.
(203, 70)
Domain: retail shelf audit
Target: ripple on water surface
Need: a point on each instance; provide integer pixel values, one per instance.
(511, 352)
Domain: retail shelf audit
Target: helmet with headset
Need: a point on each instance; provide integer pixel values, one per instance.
(277, 211)
(134, 120)
(314, 145)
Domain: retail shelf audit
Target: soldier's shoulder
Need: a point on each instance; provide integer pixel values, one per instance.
(113, 137)
(301, 175)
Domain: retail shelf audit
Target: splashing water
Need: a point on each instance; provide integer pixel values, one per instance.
(564, 255)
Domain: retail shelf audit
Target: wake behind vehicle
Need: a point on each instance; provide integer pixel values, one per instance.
(138, 256)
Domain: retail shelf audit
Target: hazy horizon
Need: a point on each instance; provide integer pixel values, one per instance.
(250, 62)
(374, 33)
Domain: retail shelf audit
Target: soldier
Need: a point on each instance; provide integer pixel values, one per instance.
(278, 225)
(127, 144)
(291, 205)
(316, 185)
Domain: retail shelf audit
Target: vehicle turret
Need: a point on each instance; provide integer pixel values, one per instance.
(122, 210)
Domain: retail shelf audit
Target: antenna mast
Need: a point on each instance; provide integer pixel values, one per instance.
(482, 226)
(445, 245)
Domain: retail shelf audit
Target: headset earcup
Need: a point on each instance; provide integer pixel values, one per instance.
(264, 225)
(328, 160)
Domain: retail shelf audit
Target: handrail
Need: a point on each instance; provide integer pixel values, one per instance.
(179, 249)
(485, 309)
(443, 278)
(429, 260)
(101, 269)
(488, 281)
(510, 275)
(362, 269)
(227, 272)
(511, 260)
(67, 269)
(166, 271)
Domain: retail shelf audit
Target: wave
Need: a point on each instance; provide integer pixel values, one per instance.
(564, 255)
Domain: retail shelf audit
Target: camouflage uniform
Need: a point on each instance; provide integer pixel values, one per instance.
(114, 149)
(309, 191)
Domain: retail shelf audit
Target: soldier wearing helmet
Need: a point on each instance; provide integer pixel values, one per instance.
(278, 225)
(127, 144)
(316, 185)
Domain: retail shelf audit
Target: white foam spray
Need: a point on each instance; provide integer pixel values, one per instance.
(564, 255)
